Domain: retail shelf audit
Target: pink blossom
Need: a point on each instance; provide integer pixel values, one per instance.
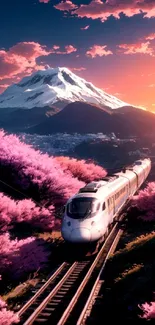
(48, 180)
(35, 173)
(20, 256)
(149, 310)
(145, 201)
(12, 212)
(84, 171)
(7, 317)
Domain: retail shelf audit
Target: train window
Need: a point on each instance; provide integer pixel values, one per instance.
(103, 206)
(98, 207)
(138, 162)
(81, 207)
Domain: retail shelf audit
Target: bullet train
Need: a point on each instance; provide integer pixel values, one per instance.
(89, 213)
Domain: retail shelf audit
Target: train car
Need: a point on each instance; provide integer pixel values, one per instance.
(88, 214)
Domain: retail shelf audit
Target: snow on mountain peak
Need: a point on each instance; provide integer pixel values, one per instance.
(50, 86)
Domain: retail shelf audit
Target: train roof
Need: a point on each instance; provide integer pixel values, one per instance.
(112, 182)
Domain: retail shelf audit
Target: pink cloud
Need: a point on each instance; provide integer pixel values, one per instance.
(78, 69)
(97, 9)
(56, 47)
(66, 6)
(151, 86)
(150, 37)
(85, 28)
(44, 1)
(70, 49)
(143, 48)
(98, 50)
(21, 60)
(3, 87)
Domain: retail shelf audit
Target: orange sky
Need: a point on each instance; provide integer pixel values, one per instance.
(136, 84)
(110, 43)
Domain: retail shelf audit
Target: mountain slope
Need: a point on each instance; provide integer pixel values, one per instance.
(55, 87)
(85, 118)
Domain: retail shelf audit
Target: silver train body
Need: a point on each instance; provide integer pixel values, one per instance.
(88, 214)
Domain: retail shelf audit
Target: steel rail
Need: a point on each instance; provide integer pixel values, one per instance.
(98, 283)
(75, 298)
(41, 290)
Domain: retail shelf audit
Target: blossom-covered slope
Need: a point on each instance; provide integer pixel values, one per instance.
(33, 189)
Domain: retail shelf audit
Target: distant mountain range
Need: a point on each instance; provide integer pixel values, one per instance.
(86, 118)
(56, 100)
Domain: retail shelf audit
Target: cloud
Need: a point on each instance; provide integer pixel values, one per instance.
(3, 87)
(152, 86)
(85, 28)
(66, 6)
(21, 60)
(70, 49)
(118, 94)
(78, 69)
(143, 48)
(44, 1)
(98, 50)
(97, 9)
(150, 37)
(56, 47)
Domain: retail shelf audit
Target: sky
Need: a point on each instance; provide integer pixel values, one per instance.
(110, 43)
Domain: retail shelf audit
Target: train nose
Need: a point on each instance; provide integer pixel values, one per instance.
(80, 235)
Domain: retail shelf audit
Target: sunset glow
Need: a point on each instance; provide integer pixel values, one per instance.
(110, 43)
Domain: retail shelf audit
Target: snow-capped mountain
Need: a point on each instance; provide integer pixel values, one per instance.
(55, 86)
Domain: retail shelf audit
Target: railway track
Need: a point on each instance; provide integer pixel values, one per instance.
(55, 301)
(86, 312)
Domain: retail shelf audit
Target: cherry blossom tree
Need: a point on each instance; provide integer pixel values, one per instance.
(35, 173)
(84, 171)
(12, 212)
(17, 257)
(145, 202)
(148, 310)
(7, 317)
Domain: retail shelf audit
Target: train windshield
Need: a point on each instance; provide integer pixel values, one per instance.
(82, 207)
